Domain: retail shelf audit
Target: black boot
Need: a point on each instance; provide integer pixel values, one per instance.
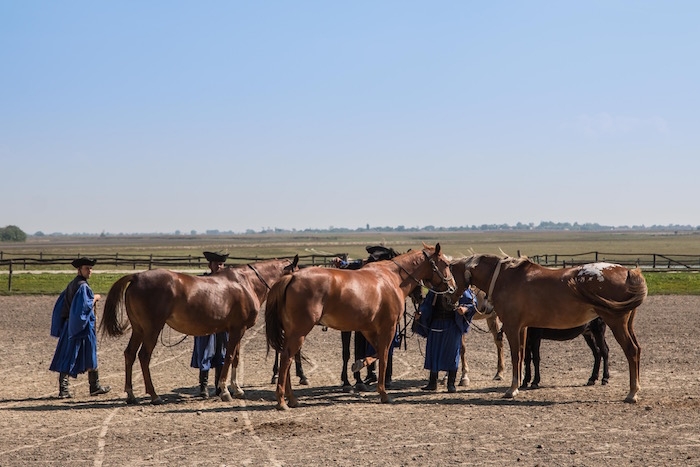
(371, 374)
(95, 388)
(432, 383)
(217, 377)
(451, 377)
(63, 392)
(203, 382)
(300, 373)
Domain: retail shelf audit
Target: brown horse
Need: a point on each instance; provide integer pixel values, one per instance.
(228, 300)
(526, 294)
(370, 300)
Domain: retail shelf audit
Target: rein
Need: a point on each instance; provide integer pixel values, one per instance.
(259, 276)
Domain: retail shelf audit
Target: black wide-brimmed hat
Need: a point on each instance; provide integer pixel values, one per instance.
(215, 257)
(83, 262)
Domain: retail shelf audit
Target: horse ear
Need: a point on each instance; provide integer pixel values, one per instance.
(295, 261)
(437, 248)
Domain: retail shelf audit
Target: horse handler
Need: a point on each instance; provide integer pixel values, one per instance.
(443, 321)
(73, 322)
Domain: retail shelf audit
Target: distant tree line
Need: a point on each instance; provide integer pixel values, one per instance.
(12, 233)
(542, 226)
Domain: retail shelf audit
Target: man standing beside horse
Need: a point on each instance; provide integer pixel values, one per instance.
(73, 322)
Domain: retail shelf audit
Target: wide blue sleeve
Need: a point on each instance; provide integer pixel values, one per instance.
(463, 321)
(81, 315)
(56, 321)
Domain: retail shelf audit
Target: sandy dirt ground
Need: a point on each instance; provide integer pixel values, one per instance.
(563, 423)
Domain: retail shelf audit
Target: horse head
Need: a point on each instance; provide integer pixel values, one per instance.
(292, 266)
(442, 277)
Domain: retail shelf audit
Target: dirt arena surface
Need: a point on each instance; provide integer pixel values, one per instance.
(563, 423)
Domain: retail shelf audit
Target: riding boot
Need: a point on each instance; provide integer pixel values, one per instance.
(203, 382)
(451, 377)
(95, 388)
(300, 373)
(371, 374)
(432, 383)
(63, 392)
(217, 376)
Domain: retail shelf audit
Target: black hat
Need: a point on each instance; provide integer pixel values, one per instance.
(77, 263)
(215, 257)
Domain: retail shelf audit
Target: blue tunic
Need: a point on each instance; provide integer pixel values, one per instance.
(209, 351)
(445, 335)
(76, 351)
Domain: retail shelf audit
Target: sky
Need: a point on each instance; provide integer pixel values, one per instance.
(128, 117)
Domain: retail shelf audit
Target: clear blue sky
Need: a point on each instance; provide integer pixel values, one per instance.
(169, 115)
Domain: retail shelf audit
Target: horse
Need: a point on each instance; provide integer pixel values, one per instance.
(228, 300)
(485, 311)
(594, 334)
(370, 300)
(526, 294)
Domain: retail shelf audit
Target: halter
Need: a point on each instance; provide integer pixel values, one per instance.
(444, 280)
(496, 272)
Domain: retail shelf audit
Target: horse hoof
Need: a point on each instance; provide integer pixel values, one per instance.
(293, 403)
(273, 380)
(303, 381)
(510, 394)
(282, 406)
(604, 382)
(631, 399)
(347, 388)
(157, 401)
(591, 382)
(387, 400)
(357, 366)
(132, 401)
(226, 396)
(464, 382)
(498, 378)
(534, 386)
(238, 393)
(362, 387)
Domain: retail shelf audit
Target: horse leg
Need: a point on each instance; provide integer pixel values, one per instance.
(515, 336)
(345, 337)
(275, 368)
(630, 328)
(383, 352)
(604, 351)
(535, 349)
(464, 380)
(620, 327)
(285, 363)
(528, 361)
(129, 358)
(596, 357)
(231, 361)
(149, 343)
(498, 340)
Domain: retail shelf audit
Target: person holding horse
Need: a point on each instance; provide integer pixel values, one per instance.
(209, 351)
(443, 320)
(73, 322)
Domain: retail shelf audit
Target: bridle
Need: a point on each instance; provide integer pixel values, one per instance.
(496, 272)
(445, 280)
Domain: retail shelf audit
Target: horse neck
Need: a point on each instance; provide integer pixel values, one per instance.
(417, 267)
(458, 269)
(270, 272)
(482, 273)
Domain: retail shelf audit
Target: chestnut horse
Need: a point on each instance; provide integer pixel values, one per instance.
(526, 294)
(370, 300)
(228, 300)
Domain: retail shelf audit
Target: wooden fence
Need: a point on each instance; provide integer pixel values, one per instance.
(646, 261)
(41, 262)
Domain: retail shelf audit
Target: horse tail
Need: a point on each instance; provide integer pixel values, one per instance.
(274, 330)
(110, 324)
(635, 285)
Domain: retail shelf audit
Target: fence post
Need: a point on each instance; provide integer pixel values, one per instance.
(150, 262)
(9, 280)
(596, 256)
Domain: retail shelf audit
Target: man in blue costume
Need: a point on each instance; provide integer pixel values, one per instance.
(210, 351)
(73, 322)
(443, 321)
